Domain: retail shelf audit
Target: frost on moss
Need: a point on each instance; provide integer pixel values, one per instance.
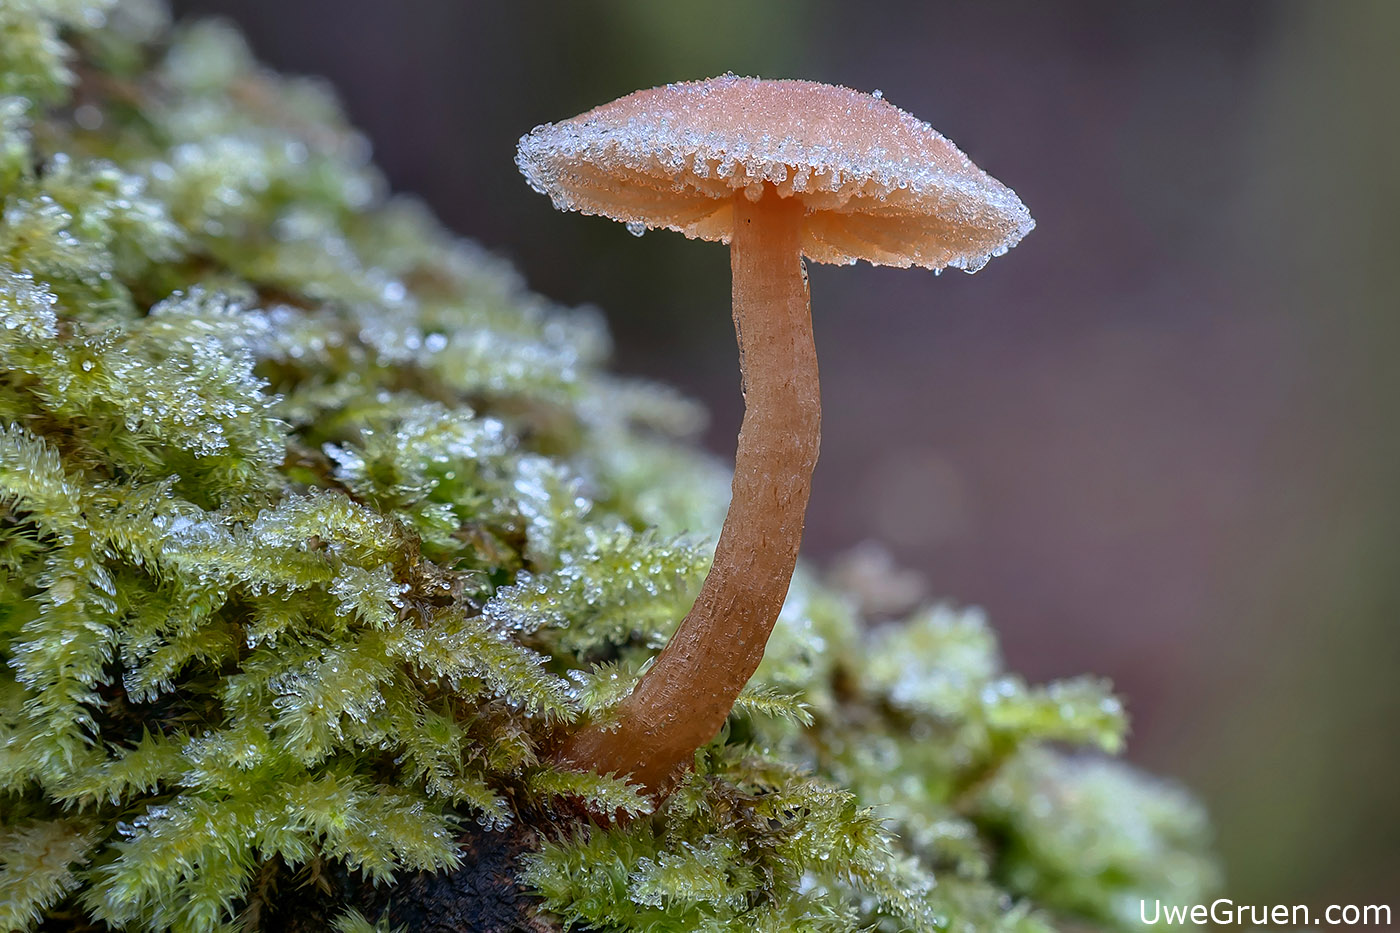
(315, 524)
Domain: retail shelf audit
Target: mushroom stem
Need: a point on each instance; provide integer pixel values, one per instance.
(683, 700)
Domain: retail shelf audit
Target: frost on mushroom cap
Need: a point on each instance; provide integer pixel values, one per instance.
(879, 184)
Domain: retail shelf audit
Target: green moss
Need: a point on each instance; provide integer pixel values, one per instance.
(314, 524)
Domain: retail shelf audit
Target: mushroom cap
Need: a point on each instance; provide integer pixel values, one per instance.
(878, 183)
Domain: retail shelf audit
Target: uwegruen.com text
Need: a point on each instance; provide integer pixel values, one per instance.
(1225, 912)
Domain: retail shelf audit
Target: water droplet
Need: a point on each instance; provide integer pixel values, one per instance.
(636, 228)
(878, 94)
(976, 264)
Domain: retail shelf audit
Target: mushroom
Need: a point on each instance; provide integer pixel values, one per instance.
(779, 170)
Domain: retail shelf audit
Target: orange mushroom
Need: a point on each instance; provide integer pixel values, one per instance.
(779, 170)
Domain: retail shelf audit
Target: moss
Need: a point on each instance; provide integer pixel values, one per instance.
(316, 527)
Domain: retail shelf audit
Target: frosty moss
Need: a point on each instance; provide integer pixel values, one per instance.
(316, 527)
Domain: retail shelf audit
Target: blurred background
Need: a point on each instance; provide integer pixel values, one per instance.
(1159, 441)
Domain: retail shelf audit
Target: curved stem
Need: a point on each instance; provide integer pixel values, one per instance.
(683, 700)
